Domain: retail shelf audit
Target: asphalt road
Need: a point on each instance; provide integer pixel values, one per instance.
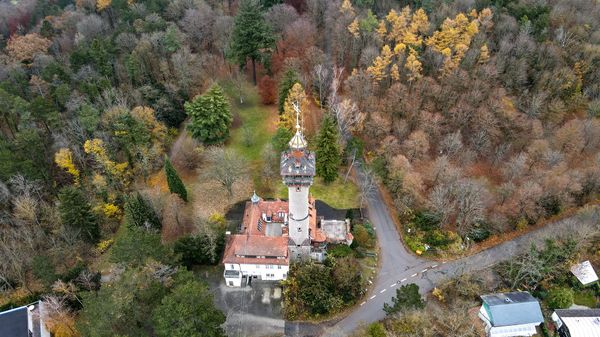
(398, 266)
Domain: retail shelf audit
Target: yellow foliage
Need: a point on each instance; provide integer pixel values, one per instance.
(438, 294)
(104, 245)
(63, 325)
(453, 39)
(484, 54)
(288, 117)
(347, 7)
(395, 73)
(413, 65)
(64, 159)
(379, 68)
(111, 210)
(145, 115)
(96, 148)
(103, 4)
(354, 28)
(419, 22)
(381, 30)
(399, 48)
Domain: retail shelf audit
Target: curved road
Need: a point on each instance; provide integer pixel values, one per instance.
(398, 266)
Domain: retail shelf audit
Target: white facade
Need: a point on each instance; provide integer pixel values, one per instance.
(524, 330)
(298, 214)
(269, 272)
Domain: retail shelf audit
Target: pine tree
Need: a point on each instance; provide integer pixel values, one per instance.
(251, 35)
(76, 212)
(289, 78)
(210, 116)
(328, 151)
(140, 213)
(174, 182)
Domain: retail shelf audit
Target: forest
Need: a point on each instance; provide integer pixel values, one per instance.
(480, 117)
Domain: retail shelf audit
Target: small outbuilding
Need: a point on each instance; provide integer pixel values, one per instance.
(577, 322)
(510, 314)
(23, 321)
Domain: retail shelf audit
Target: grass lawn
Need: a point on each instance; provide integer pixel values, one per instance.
(259, 121)
(337, 194)
(585, 297)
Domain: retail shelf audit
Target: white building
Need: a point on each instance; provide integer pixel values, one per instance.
(510, 314)
(577, 322)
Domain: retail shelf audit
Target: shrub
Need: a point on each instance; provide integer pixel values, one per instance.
(560, 298)
(426, 220)
(362, 236)
(340, 251)
(376, 330)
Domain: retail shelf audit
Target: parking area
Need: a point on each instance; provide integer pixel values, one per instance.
(253, 310)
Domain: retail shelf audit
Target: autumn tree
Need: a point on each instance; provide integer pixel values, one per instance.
(252, 37)
(289, 78)
(24, 48)
(175, 183)
(296, 95)
(328, 156)
(210, 116)
(266, 90)
(64, 159)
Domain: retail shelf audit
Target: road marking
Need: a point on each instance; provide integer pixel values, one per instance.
(381, 292)
(434, 266)
(402, 280)
(424, 270)
(363, 303)
(393, 285)
(372, 297)
(413, 275)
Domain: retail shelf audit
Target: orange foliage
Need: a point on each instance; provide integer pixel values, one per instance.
(266, 90)
(24, 48)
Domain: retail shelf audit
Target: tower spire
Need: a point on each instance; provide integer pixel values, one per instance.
(297, 142)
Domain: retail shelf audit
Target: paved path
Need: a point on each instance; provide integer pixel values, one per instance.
(398, 266)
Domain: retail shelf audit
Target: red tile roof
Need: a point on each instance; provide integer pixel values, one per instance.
(252, 241)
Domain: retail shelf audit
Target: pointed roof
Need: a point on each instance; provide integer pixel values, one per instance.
(255, 198)
(297, 142)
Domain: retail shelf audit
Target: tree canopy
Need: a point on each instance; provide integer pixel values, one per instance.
(210, 116)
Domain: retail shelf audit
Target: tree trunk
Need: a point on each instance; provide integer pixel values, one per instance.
(254, 71)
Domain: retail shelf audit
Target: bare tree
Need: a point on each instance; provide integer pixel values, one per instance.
(367, 186)
(226, 167)
(321, 75)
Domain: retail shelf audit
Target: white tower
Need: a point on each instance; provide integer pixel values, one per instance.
(298, 171)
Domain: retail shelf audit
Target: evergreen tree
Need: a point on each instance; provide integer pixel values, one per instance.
(251, 34)
(188, 311)
(281, 138)
(210, 116)
(328, 150)
(140, 213)
(407, 297)
(76, 212)
(174, 182)
(289, 78)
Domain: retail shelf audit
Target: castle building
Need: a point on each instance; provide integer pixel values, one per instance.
(274, 233)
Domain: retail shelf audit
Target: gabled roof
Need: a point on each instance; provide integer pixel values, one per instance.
(505, 309)
(13, 323)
